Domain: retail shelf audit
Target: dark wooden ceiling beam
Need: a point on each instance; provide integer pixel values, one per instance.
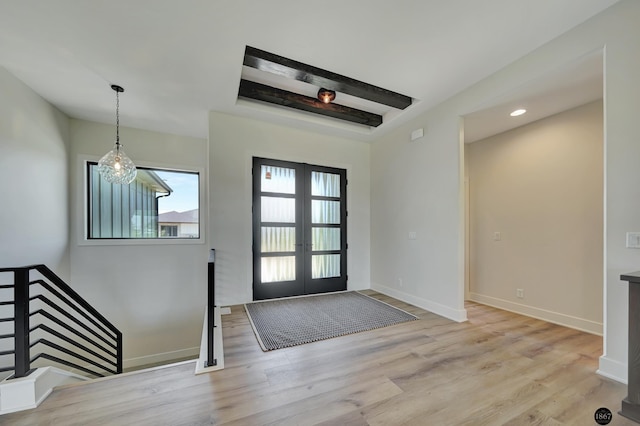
(260, 92)
(289, 68)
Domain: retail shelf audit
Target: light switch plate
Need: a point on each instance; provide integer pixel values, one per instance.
(633, 239)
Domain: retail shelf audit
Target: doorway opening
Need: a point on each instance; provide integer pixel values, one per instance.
(534, 198)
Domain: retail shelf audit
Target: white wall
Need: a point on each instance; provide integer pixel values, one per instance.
(155, 291)
(424, 179)
(415, 189)
(234, 142)
(34, 196)
(541, 187)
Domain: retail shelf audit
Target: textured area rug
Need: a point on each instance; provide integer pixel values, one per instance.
(281, 323)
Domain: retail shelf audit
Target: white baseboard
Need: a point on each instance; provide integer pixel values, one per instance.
(160, 357)
(613, 369)
(458, 315)
(543, 314)
(28, 392)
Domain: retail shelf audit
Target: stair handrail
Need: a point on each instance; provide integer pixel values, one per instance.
(66, 294)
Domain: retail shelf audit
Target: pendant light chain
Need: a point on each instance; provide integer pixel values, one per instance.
(115, 166)
(117, 118)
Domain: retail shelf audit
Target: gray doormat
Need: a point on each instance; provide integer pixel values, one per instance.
(281, 323)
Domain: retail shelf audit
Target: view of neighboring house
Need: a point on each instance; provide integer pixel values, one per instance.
(179, 224)
(125, 211)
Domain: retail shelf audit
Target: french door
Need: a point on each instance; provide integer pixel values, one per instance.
(299, 229)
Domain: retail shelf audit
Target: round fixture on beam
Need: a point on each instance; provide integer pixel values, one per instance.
(327, 96)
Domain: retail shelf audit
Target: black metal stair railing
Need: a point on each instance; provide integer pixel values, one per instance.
(211, 305)
(50, 316)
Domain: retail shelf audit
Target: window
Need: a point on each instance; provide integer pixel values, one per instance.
(168, 230)
(157, 204)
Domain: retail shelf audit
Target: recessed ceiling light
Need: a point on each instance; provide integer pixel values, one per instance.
(518, 112)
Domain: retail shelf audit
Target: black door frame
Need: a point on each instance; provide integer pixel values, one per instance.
(303, 284)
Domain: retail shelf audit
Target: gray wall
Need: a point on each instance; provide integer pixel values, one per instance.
(541, 187)
(34, 195)
(153, 291)
(234, 142)
(420, 186)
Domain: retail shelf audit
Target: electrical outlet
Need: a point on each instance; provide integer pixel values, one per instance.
(497, 236)
(399, 282)
(520, 293)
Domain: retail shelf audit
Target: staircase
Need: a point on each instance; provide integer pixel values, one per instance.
(44, 323)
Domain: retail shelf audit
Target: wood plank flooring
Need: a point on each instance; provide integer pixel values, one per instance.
(497, 368)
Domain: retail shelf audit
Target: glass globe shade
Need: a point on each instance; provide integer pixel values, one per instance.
(116, 167)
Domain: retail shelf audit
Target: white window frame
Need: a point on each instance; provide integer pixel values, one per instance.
(83, 237)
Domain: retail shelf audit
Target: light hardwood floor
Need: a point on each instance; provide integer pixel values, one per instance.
(497, 368)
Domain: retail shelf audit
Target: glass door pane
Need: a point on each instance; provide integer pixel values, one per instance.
(275, 209)
(325, 184)
(325, 238)
(323, 211)
(274, 269)
(277, 179)
(325, 266)
(277, 239)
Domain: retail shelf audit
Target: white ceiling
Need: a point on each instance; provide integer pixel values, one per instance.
(177, 60)
(574, 83)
